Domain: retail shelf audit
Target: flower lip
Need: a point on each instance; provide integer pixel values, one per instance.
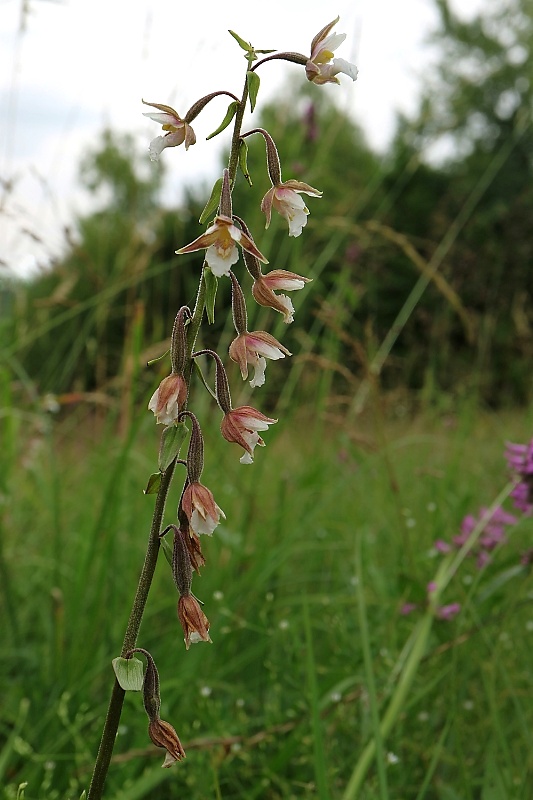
(220, 241)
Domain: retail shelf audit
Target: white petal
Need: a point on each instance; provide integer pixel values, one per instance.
(269, 351)
(164, 118)
(259, 374)
(340, 65)
(157, 146)
(297, 221)
(332, 41)
(246, 459)
(201, 525)
(221, 265)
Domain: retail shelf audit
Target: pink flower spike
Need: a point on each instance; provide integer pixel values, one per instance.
(179, 131)
(201, 510)
(285, 198)
(253, 348)
(318, 69)
(407, 609)
(441, 546)
(431, 587)
(241, 425)
(220, 241)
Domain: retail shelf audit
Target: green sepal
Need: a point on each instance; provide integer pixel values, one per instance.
(211, 285)
(243, 161)
(154, 482)
(167, 548)
(230, 113)
(212, 204)
(129, 673)
(171, 441)
(253, 81)
(245, 45)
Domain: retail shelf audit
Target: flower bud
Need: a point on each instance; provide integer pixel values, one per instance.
(193, 620)
(163, 734)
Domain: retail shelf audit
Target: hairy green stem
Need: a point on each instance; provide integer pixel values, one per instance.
(114, 711)
(130, 639)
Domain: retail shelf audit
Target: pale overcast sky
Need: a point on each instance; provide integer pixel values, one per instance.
(70, 67)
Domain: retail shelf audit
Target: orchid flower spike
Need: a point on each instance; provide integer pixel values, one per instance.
(178, 131)
(319, 69)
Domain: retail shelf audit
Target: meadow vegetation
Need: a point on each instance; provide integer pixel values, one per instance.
(333, 673)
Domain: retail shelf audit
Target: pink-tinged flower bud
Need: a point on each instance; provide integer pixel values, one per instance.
(168, 399)
(201, 510)
(163, 734)
(285, 198)
(241, 425)
(193, 620)
(319, 69)
(253, 348)
(264, 286)
(179, 131)
(220, 241)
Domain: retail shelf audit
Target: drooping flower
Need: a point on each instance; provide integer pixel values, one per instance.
(254, 348)
(241, 425)
(193, 620)
(286, 199)
(220, 241)
(179, 131)
(168, 399)
(264, 294)
(201, 510)
(319, 69)
(163, 734)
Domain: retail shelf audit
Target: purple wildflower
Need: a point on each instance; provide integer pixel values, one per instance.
(448, 612)
(520, 460)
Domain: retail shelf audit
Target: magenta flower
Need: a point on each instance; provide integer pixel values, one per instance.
(220, 240)
(520, 460)
(319, 69)
(448, 612)
(179, 131)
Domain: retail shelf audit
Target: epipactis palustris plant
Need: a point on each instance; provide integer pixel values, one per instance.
(224, 240)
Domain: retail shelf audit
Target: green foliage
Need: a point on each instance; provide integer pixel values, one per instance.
(282, 703)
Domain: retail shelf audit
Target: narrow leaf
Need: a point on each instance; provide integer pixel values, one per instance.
(212, 204)
(245, 45)
(154, 482)
(211, 284)
(243, 161)
(129, 673)
(253, 81)
(171, 441)
(153, 360)
(230, 113)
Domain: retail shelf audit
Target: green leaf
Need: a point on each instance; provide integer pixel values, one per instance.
(83, 795)
(243, 161)
(153, 360)
(253, 81)
(171, 441)
(154, 482)
(212, 204)
(245, 45)
(129, 673)
(211, 284)
(167, 548)
(230, 113)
